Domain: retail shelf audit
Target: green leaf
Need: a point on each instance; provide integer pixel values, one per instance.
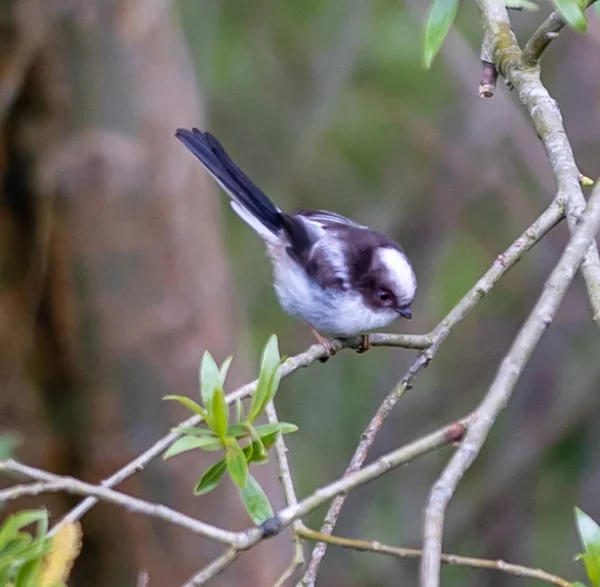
(589, 536)
(571, 11)
(592, 568)
(258, 448)
(236, 464)
(588, 530)
(191, 442)
(211, 478)
(225, 369)
(439, 20)
(282, 427)
(238, 431)
(220, 413)
(210, 379)
(578, 584)
(268, 368)
(190, 405)
(194, 431)
(256, 502)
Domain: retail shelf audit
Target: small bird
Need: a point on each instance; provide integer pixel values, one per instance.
(342, 278)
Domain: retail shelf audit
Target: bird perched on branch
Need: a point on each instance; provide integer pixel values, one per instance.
(342, 278)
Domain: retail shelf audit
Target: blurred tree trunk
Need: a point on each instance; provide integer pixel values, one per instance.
(113, 278)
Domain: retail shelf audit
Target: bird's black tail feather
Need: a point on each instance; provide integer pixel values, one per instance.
(231, 178)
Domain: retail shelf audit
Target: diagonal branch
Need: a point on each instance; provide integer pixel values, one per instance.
(502, 264)
(501, 389)
(500, 47)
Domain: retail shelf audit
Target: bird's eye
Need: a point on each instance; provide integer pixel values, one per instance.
(385, 297)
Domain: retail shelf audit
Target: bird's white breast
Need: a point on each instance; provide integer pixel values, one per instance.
(330, 311)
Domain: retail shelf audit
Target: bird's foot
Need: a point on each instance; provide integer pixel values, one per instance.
(326, 343)
(365, 344)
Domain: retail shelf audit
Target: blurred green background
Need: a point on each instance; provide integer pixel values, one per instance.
(120, 263)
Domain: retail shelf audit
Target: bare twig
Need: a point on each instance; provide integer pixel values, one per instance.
(385, 463)
(499, 42)
(49, 483)
(502, 264)
(501, 389)
(539, 41)
(449, 559)
(285, 476)
(288, 367)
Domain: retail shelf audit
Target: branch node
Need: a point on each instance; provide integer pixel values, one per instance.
(489, 77)
(271, 527)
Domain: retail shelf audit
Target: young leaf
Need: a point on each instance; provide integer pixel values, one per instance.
(225, 369)
(220, 413)
(571, 11)
(256, 502)
(592, 568)
(236, 464)
(283, 427)
(269, 365)
(211, 478)
(258, 448)
(191, 442)
(439, 20)
(194, 431)
(588, 530)
(210, 379)
(238, 431)
(10, 528)
(190, 405)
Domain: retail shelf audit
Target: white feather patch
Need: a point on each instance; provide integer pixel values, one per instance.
(253, 222)
(401, 272)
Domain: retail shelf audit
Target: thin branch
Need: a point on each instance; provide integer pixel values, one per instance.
(289, 366)
(449, 559)
(500, 42)
(543, 36)
(291, 499)
(400, 456)
(501, 389)
(50, 483)
(503, 263)
(213, 569)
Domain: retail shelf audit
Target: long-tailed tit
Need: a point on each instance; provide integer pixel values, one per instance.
(340, 277)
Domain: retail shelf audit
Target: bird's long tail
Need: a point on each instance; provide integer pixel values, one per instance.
(248, 201)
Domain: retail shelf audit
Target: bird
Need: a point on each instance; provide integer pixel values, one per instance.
(340, 277)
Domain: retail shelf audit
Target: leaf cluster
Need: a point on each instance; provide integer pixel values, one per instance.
(238, 438)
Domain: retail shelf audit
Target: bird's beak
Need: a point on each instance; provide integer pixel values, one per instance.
(405, 312)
